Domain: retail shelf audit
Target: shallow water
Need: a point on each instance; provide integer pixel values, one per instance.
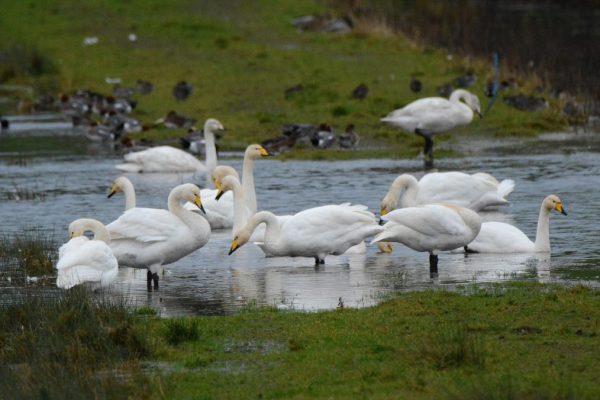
(74, 178)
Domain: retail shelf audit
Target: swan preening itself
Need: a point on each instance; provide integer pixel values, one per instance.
(431, 228)
(316, 232)
(432, 115)
(150, 238)
(499, 237)
(170, 159)
(82, 260)
(477, 191)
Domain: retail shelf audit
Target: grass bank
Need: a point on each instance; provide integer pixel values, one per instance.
(517, 340)
(241, 57)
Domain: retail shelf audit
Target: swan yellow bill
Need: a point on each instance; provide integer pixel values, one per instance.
(198, 203)
(219, 194)
(234, 246)
(217, 183)
(264, 152)
(383, 210)
(113, 191)
(559, 207)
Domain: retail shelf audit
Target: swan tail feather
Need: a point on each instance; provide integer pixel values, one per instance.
(506, 187)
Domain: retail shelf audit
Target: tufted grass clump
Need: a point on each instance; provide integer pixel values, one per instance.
(68, 344)
(33, 252)
(179, 330)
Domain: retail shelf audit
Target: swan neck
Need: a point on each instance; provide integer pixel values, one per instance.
(272, 231)
(211, 150)
(405, 187)
(240, 212)
(99, 230)
(248, 183)
(174, 204)
(129, 193)
(542, 236)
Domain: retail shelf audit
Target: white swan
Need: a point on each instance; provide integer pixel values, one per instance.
(315, 232)
(150, 238)
(432, 115)
(219, 214)
(124, 185)
(476, 191)
(170, 159)
(499, 237)
(81, 260)
(431, 228)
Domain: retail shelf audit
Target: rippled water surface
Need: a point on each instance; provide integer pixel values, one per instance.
(72, 179)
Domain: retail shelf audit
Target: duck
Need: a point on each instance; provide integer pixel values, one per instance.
(170, 159)
(430, 228)
(151, 238)
(432, 115)
(349, 139)
(182, 90)
(315, 232)
(475, 191)
(173, 121)
(500, 237)
(85, 261)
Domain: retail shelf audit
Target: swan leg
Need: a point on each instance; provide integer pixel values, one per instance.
(155, 280)
(470, 251)
(427, 147)
(319, 261)
(433, 265)
(149, 281)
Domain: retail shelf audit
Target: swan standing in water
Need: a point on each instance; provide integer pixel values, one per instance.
(150, 238)
(431, 228)
(316, 232)
(477, 191)
(81, 260)
(432, 115)
(499, 237)
(170, 159)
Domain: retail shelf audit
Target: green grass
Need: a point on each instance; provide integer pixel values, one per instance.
(503, 341)
(30, 252)
(515, 341)
(240, 57)
(70, 345)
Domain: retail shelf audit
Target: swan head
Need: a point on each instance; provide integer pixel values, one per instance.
(214, 126)
(119, 185)
(385, 247)
(240, 238)
(191, 193)
(553, 202)
(397, 188)
(221, 172)
(256, 151)
(471, 100)
(225, 184)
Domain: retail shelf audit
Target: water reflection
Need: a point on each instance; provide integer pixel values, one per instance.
(210, 282)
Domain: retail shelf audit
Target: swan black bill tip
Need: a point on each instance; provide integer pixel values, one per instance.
(219, 195)
(479, 113)
(202, 209)
(111, 194)
(563, 212)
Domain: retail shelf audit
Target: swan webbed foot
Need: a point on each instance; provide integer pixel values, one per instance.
(433, 265)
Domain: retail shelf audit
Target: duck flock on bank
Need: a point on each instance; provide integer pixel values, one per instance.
(437, 213)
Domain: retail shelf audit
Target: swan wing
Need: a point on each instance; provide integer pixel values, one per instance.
(219, 214)
(164, 158)
(500, 237)
(330, 229)
(144, 225)
(430, 220)
(85, 261)
(471, 191)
